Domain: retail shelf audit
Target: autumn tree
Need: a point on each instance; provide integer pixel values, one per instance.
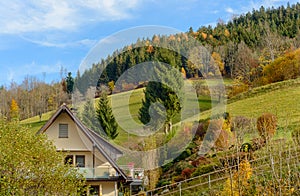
(217, 60)
(283, 68)
(30, 164)
(14, 110)
(220, 133)
(245, 63)
(183, 72)
(266, 125)
(238, 184)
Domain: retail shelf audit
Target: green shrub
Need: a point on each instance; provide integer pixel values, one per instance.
(203, 169)
(167, 166)
(163, 182)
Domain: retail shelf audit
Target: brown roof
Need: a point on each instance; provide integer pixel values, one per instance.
(110, 152)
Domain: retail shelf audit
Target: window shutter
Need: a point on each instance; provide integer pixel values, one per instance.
(63, 131)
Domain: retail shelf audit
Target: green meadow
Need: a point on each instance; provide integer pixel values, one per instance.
(281, 99)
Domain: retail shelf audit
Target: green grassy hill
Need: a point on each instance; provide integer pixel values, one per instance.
(279, 98)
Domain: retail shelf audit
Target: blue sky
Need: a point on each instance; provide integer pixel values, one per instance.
(37, 38)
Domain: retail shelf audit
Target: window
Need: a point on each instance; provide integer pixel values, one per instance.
(63, 131)
(80, 161)
(94, 190)
(69, 159)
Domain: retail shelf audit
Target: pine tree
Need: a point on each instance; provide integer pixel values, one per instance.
(106, 118)
(167, 92)
(70, 83)
(88, 117)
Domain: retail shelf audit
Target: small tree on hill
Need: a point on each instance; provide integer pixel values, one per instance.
(14, 110)
(70, 84)
(106, 118)
(266, 125)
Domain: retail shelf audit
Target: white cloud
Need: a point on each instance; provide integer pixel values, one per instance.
(31, 69)
(229, 10)
(267, 4)
(79, 43)
(19, 16)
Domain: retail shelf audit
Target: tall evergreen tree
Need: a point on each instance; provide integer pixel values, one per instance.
(106, 118)
(70, 83)
(88, 117)
(165, 89)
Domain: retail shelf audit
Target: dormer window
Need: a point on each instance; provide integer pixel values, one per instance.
(63, 131)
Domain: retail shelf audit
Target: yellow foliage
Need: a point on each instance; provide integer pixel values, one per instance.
(183, 72)
(239, 184)
(218, 61)
(14, 109)
(227, 33)
(283, 68)
(111, 85)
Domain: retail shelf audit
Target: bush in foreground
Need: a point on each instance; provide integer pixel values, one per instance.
(30, 165)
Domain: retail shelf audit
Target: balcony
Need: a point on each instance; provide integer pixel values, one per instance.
(101, 172)
(134, 173)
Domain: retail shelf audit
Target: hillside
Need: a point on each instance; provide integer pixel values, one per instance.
(264, 35)
(277, 98)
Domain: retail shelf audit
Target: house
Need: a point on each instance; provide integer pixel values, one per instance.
(87, 150)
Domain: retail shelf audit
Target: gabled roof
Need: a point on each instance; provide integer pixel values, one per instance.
(110, 152)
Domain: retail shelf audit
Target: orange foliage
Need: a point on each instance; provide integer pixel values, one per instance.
(204, 35)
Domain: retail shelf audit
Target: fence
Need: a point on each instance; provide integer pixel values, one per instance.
(213, 181)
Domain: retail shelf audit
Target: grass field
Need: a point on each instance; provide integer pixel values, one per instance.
(280, 99)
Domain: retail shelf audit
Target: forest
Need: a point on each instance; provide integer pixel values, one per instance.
(252, 49)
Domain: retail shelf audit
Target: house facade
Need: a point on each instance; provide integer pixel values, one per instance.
(87, 150)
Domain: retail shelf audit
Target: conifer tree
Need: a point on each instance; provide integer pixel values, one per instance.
(70, 83)
(167, 92)
(88, 117)
(105, 117)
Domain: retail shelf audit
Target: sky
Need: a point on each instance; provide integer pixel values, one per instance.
(40, 38)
